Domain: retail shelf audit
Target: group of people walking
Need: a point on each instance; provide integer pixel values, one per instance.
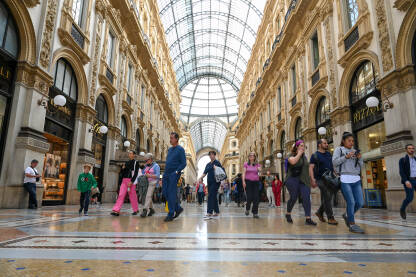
(330, 173)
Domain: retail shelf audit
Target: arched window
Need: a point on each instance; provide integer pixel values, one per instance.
(102, 110)
(351, 11)
(123, 127)
(414, 49)
(138, 141)
(322, 119)
(9, 40)
(283, 141)
(364, 82)
(65, 81)
(148, 146)
(298, 129)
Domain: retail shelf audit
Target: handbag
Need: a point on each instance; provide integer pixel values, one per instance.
(332, 181)
(95, 190)
(219, 174)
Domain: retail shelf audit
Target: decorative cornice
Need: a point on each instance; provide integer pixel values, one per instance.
(33, 77)
(400, 80)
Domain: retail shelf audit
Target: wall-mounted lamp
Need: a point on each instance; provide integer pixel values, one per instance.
(373, 102)
(99, 129)
(58, 100)
(267, 163)
(126, 144)
(323, 131)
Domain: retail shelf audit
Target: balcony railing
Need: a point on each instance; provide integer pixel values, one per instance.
(351, 39)
(315, 77)
(109, 75)
(293, 101)
(292, 6)
(77, 36)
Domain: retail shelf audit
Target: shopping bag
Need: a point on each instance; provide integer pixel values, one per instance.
(166, 207)
(219, 174)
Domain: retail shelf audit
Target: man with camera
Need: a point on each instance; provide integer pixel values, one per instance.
(320, 164)
(31, 177)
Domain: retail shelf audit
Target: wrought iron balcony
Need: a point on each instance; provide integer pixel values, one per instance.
(77, 36)
(351, 39)
(315, 77)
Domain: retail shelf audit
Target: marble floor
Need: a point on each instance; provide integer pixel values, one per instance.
(55, 241)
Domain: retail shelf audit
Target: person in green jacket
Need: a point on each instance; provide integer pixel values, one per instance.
(86, 181)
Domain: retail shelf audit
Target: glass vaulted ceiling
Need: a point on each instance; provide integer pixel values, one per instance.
(210, 43)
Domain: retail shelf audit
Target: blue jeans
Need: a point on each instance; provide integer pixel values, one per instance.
(31, 189)
(227, 197)
(353, 195)
(84, 201)
(170, 191)
(212, 198)
(409, 195)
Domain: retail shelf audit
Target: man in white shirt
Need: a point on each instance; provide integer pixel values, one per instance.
(31, 177)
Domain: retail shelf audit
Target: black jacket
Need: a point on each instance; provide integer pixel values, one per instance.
(404, 166)
(129, 166)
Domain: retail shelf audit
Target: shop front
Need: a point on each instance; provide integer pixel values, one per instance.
(369, 129)
(99, 142)
(58, 130)
(8, 54)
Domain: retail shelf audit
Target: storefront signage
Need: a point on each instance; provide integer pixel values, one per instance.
(363, 116)
(5, 72)
(63, 109)
(96, 128)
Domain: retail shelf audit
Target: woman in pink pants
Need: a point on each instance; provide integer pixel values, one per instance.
(129, 173)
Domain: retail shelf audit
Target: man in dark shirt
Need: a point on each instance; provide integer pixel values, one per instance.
(240, 190)
(320, 162)
(213, 185)
(129, 173)
(175, 163)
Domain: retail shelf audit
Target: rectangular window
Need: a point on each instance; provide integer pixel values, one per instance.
(294, 87)
(315, 51)
(142, 98)
(110, 54)
(151, 110)
(279, 98)
(270, 112)
(234, 169)
(351, 11)
(130, 72)
(77, 11)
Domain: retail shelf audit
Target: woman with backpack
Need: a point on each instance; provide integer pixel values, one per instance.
(348, 162)
(298, 182)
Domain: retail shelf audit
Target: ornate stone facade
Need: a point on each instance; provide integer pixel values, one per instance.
(302, 82)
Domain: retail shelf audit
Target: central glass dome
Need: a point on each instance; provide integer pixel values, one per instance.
(210, 43)
(209, 97)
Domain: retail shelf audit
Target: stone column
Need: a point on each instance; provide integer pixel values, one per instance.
(25, 140)
(112, 165)
(81, 152)
(399, 86)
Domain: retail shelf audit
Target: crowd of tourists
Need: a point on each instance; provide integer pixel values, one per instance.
(329, 172)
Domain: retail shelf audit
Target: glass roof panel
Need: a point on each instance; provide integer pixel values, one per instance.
(210, 43)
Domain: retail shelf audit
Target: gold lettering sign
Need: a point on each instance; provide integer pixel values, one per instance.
(5, 72)
(63, 109)
(96, 128)
(363, 113)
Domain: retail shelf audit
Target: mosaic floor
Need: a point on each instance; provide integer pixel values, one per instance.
(55, 241)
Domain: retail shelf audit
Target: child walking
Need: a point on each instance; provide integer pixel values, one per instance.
(86, 181)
